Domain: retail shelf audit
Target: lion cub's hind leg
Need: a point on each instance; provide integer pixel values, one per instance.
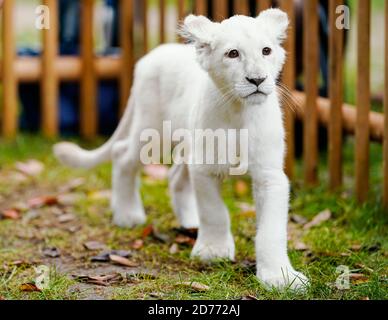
(183, 197)
(127, 206)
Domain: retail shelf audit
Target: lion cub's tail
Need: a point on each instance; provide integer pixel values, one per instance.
(73, 156)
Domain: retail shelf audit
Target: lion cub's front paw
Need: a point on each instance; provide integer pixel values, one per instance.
(283, 279)
(125, 220)
(213, 250)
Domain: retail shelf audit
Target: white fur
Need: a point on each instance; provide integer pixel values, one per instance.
(197, 86)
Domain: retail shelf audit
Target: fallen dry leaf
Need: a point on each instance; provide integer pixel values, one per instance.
(300, 246)
(122, 261)
(51, 252)
(318, 219)
(104, 257)
(174, 249)
(356, 247)
(196, 286)
(102, 280)
(298, 219)
(181, 239)
(10, 214)
(42, 201)
(249, 298)
(73, 229)
(156, 172)
(18, 263)
(69, 199)
(137, 244)
(362, 266)
(241, 188)
(29, 287)
(30, 168)
(358, 278)
(94, 245)
(66, 218)
(147, 231)
(72, 185)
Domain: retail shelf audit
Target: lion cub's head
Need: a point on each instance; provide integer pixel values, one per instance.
(243, 55)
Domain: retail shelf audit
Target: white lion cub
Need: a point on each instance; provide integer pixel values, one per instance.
(225, 78)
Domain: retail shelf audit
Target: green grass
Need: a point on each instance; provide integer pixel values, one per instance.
(329, 244)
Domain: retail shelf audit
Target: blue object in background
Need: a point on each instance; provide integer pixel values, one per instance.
(69, 96)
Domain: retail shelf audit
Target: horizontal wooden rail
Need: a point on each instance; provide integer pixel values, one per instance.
(349, 116)
(67, 68)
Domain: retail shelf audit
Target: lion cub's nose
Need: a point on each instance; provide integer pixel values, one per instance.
(256, 81)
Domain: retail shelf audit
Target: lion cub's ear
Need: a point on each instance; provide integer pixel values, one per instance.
(276, 22)
(198, 30)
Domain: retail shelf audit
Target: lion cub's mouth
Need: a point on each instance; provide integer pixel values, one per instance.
(257, 92)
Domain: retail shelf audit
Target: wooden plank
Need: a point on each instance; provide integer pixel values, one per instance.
(201, 7)
(49, 79)
(363, 100)
(385, 195)
(162, 21)
(145, 25)
(241, 7)
(349, 116)
(336, 42)
(181, 15)
(220, 8)
(263, 4)
(127, 54)
(88, 79)
(288, 79)
(67, 68)
(181, 10)
(10, 101)
(311, 72)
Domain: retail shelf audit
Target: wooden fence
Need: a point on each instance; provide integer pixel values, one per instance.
(50, 69)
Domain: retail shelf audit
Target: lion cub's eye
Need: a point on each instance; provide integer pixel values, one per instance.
(267, 51)
(233, 54)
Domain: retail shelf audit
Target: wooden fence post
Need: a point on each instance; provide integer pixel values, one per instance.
(241, 7)
(311, 72)
(89, 114)
(181, 10)
(336, 43)
(162, 21)
(385, 176)
(363, 100)
(220, 10)
(289, 77)
(145, 25)
(201, 7)
(263, 4)
(181, 15)
(9, 81)
(49, 79)
(127, 58)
